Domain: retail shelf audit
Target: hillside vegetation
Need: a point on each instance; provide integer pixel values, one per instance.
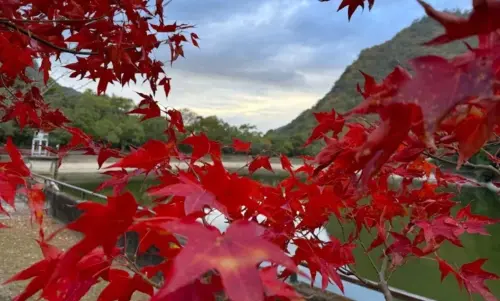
(377, 61)
(103, 118)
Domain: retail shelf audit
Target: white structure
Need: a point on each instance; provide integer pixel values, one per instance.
(40, 140)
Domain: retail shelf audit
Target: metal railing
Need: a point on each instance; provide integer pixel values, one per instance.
(372, 285)
(83, 192)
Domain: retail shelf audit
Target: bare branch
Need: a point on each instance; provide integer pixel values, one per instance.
(30, 34)
(383, 282)
(468, 164)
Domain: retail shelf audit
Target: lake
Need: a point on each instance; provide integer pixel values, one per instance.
(419, 276)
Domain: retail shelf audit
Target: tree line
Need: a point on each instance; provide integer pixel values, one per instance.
(103, 118)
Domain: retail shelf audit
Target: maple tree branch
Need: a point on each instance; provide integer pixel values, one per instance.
(6, 88)
(33, 36)
(53, 21)
(369, 257)
(468, 164)
(134, 268)
(383, 282)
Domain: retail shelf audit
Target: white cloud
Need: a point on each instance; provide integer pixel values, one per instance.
(266, 61)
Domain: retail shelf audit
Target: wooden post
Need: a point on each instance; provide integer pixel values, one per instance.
(56, 169)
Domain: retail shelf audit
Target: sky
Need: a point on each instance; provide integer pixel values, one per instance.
(263, 62)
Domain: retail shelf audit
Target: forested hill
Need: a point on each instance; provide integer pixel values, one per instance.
(104, 118)
(377, 61)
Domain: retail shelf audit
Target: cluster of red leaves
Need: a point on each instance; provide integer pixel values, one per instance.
(449, 104)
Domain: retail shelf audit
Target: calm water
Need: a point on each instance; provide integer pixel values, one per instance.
(420, 276)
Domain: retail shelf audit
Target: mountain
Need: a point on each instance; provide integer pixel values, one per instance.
(377, 61)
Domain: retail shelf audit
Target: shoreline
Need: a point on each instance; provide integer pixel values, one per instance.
(88, 169)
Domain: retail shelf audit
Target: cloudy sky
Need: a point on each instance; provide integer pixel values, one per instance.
(264, 61)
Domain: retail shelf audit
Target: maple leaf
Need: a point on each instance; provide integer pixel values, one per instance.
(85, 275)
(235, 255)
(106, 76)
(401, 248)
(286, 164)
(194, 38)
(13, 173)
(39, 271)
(473, 277)
(472, 133)
(197, 291)
(276, 287)
(176, 120)
(202, 146)
(197, 198)
(148, 107)
(440, 228)
(104, 153)
(151, 235)
(36, 203)
(45, 66)
(147, 157)
(472, 223)
(319, 260)
(241, 146)
(445, 269)
(23, 113)
(122, 286)
(119, 180)
(165, 82)
(260, 162)
(352, 5)
(482, 20)
(327, 122)
(101, 225)
(51, 120)
(376, 96)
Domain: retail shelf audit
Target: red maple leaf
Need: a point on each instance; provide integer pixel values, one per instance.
(260, 162)
(317, 259)
(101, 225)
(203, 146)
(482, 20)
(275, 286)
(106, 76)
(326, 122)
(352, 5)
(40, 271)
(230, 254)
(286, 164)
(196, 197)
(12, 173)
(401, 248)
(473, 277)
(441, 228)
(147, 107)
(445, 268)
(86, 274)
(472, 223)
(148, 156)
(122, 286)
(176, 120)
(241, 146)
(119, 180)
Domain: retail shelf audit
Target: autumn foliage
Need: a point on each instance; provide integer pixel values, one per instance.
(440, 106)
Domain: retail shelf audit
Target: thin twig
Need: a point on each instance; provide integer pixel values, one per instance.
(369, 257)
(52, 21)
(468, 164)
(35, 37)
(382, 281)
(134, 268)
